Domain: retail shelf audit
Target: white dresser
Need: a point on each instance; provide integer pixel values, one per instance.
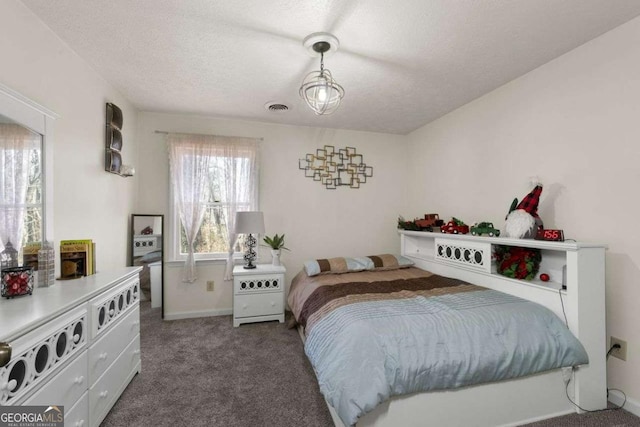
(75, 344)
(258, 294)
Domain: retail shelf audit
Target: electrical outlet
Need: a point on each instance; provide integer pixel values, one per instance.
(620, 353)
(210, 285)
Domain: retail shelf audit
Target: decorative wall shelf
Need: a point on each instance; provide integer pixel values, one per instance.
(113, 143)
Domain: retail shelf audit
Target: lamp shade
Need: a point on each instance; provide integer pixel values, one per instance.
(249, 222)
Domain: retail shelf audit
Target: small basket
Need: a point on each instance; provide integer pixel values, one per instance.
(17, 281)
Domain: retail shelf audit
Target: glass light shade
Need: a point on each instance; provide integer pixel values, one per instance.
(321, 92)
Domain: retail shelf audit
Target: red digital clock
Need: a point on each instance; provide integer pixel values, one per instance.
(551, 235)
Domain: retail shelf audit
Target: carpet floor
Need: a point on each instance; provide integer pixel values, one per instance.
(205, 372)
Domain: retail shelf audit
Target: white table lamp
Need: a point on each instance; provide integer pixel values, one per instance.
(250, 222)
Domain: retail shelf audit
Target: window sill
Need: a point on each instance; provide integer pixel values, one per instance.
(202, 261)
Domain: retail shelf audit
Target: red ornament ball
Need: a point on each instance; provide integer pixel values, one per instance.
(544, 277)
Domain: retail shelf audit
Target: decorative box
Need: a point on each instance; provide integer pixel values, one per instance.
(17, 281)
(46, 265)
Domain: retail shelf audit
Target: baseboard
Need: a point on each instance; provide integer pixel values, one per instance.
(195, 314)
(617, 398)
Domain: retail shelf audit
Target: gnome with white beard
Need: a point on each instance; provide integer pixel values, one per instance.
(522, 221)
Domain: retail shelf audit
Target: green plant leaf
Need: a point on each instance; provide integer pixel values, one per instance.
(275, 242)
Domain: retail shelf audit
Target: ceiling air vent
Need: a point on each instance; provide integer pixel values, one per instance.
(276, 107)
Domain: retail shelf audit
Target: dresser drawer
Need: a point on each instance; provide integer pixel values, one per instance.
(66, 387)
(105, 392)
(78, 415)
(111, 306)
(107, 348)
(38, 354)
(258, 304)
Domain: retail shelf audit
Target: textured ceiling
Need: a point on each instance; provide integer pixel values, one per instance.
(402, 63)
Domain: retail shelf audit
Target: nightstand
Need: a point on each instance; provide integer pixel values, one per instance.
(258, 294)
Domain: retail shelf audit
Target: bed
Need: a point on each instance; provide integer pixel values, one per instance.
(441, 336)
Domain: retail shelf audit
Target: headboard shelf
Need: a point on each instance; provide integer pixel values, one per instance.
(474, 253)
(551, 285)
(526, 243)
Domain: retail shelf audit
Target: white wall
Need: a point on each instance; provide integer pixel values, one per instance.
(317, 222)
(88, 202)
(575, 123)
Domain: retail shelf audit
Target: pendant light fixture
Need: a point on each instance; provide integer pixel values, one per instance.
(319, 90)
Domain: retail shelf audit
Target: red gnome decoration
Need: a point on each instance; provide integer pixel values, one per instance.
(523, 221)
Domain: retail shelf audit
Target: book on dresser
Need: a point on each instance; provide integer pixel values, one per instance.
(77, 258)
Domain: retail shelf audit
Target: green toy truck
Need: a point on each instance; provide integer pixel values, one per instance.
(481, 228)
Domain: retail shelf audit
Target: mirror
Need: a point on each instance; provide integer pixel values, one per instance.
(21, 189)
(147, 232)
(26, 159)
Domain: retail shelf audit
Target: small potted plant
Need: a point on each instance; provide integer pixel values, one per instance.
(276, 243)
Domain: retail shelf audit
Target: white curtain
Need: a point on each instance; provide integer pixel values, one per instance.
(190, 158)
(16, 145)
(241, 171)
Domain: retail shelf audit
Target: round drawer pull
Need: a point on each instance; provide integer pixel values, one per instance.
(103, 394)
(79, 423)
(76, 338)
(273, 304)
(244, 306)
(103, 356)
(10, 386)
(78, 380)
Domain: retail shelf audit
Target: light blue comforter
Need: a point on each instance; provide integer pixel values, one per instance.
(366, 352)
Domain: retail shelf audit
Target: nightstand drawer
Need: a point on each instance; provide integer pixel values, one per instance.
(258, 304)
(258, 283)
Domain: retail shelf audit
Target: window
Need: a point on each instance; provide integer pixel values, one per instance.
(212, 239)
(212, 178)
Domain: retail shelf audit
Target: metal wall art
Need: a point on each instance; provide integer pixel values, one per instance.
(333, 169)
